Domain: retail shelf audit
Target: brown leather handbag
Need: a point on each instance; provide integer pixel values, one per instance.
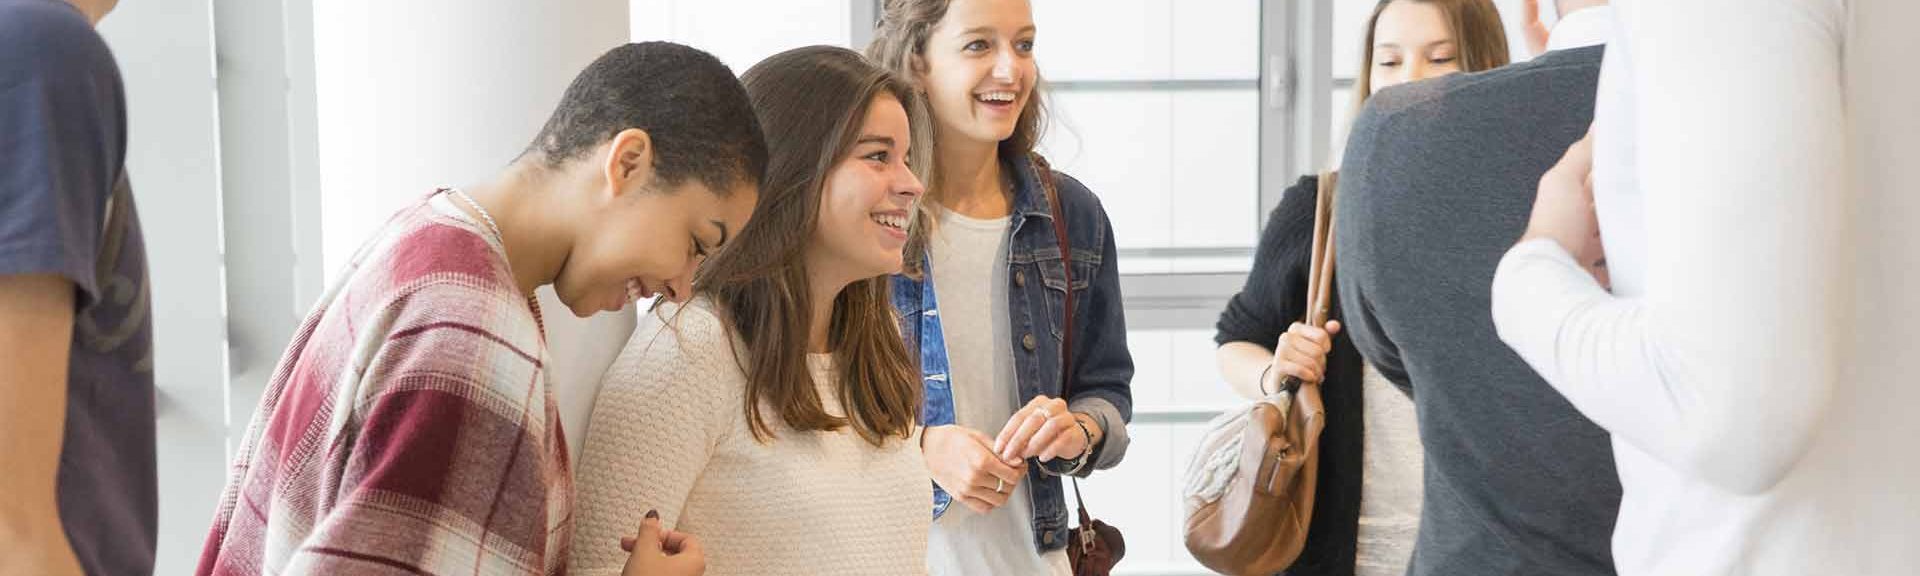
(1093, 547)
(1250, 487)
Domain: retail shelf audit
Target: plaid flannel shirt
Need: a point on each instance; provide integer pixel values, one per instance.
(409, 428)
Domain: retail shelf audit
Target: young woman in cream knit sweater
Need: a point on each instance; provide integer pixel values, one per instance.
(775, 414)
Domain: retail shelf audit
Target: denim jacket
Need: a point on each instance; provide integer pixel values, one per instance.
(1103, 369)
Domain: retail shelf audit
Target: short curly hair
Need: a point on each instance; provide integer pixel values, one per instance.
(690, 104)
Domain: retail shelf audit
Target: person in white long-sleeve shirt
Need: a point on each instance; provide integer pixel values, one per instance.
(1753, 168)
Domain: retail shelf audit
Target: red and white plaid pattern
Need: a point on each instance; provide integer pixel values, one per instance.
(409, 428)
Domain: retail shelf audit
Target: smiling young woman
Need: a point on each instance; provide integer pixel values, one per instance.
(986, 291)
(779, 407)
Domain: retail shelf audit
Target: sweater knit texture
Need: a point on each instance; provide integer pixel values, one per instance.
(669, 432)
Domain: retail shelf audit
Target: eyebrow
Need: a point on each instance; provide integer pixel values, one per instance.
(986, 29)
(723, 233)
(876, 139)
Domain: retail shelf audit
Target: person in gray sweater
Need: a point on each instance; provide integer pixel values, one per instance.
(1438, 181)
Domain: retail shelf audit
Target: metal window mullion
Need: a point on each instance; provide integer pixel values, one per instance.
(1276, 103)
(1190, 301)
(1296, 41)
(1313, 114)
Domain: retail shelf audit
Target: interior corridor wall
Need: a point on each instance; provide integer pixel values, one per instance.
(165, 52)
(423, 94)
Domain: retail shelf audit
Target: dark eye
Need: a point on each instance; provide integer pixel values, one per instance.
(880, 156)
(699, 250)
(976, 46)
(1389, 64)
(1445, 60)
(1024, 45)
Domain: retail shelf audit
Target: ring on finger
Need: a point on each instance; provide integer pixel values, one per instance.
(999, 486)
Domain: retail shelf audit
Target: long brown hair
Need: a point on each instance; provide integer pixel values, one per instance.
(900, 45)
(1476, 29)
(811, 102)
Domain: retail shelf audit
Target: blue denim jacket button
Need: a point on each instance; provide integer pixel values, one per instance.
(1027, 342)
(1020, 278)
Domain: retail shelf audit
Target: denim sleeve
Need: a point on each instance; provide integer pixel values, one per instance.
(1103, 367)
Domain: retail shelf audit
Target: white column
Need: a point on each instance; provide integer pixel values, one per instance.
(421, 94)
(165, 51)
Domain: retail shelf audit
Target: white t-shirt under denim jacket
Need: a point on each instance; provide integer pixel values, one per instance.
(971, 253)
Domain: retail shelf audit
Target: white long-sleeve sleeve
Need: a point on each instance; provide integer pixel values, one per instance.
(1754, 178)
(662, 407)
(1718, 355)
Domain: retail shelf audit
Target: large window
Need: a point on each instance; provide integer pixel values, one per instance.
(1182, 117)
(1157, 110)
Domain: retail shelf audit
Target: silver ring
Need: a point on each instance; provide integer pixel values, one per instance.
(999, 486)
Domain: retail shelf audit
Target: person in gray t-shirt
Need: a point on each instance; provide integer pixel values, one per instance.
(76, 348)
(1438, 180)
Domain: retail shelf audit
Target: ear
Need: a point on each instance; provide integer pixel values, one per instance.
(629, 161)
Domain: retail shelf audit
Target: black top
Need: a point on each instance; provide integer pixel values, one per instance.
(1273, 299)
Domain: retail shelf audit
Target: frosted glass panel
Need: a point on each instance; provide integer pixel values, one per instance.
(1216, 40)
(1349, 33)
(1195, 381)
(1138, 496)
(1119, 144)
(1342, 120)
(1152, 368)
(722, 28)
(1103, 39)
(1176, 370)
(1214, 195)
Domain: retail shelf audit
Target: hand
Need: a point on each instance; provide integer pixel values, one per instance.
(1535, 30)
(1302, 353)
(658, 552)
(962, 461)
(1043, 430)
(1563, 210)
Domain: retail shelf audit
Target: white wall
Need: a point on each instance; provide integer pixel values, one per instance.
(422, 94)
(165, 50)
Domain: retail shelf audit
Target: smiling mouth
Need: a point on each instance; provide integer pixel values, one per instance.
(891, 220)
(996, 97)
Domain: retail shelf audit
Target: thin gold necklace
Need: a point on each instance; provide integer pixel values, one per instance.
(493, 226)
(533, 304)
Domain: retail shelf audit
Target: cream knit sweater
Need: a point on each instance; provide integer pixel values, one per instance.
(669, 433)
